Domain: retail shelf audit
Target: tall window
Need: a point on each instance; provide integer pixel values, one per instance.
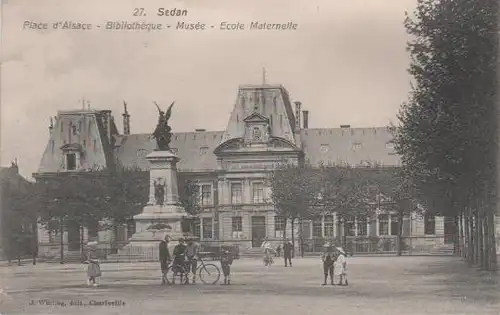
(206, 195)
(383, 224)
(258, 192)
(71, 161)
(237, 224)
(207, 228)
(362, 223)
(318, 227)
(197, 227)
(394, 225)
(429, 224)
(279, 226)
(329, 225)
(350, 227)
(236, 190)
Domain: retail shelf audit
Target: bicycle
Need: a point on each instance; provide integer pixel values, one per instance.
(208, 273)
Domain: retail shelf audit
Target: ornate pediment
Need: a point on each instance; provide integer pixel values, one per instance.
(230, 145)
(276, 142)
(257, 118)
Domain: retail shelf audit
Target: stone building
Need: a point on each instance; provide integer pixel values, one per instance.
(264, 128)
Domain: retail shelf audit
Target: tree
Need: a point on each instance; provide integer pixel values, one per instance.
(126, 193)
(346, 192)
(19, 220)
(72, 200)
(294, 190)
(448, 129)
(393, 183)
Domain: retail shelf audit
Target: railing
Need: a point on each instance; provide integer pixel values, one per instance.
(410, 245)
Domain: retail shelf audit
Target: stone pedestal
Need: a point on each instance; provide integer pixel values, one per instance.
(163, 208)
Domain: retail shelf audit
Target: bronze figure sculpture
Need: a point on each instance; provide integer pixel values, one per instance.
(163, 133)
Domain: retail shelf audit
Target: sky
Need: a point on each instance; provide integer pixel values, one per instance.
(346, 62)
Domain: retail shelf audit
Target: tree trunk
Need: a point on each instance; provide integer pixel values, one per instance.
(301, 237)
(400, 234)
(460, 235)
(61, 234)
(34, 242)
(492, 241)
(81, 243)
(285, 220)
(293, 237)
(470, 227)
(477, 261)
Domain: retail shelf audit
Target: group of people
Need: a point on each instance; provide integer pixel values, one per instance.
(185, 259)
(334, 263)
(269, 252)
(333, 259)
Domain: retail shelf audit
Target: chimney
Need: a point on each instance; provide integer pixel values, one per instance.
(51, 126)
(305, 113)
(106, 119)
(200, 130)
(297, 115)
(345, 126)
(126, 120)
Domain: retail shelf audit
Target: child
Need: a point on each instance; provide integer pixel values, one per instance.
(93, 269)
(328, 258)
(226, 260)
(341, 265)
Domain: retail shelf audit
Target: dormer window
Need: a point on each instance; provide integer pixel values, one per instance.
(72, 155)
(203, 150)
(324, 148)
(357, 146)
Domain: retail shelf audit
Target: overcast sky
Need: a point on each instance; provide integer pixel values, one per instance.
(346, 62)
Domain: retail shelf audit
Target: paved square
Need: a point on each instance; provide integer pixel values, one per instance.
(377, 285)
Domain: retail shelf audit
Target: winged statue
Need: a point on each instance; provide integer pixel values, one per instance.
(163, 133)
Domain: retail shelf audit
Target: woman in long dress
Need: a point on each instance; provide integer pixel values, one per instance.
(341, 266)
(93, 267)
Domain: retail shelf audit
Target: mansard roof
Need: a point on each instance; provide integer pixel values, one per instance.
(269, 101)
(195, 150)
(353, 146)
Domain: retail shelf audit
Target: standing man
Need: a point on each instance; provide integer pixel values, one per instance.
(192, 250)
(287, 252)
(164, 258)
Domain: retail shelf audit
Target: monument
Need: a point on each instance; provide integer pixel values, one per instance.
(163, 213)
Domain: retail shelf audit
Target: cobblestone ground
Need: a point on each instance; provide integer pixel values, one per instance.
(377, 285)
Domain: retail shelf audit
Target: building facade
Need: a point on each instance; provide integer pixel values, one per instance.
(232, 165)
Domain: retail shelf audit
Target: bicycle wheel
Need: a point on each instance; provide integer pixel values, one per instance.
(177, 274)
(209, 274)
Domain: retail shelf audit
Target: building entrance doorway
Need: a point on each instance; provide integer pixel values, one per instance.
(258, 230)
